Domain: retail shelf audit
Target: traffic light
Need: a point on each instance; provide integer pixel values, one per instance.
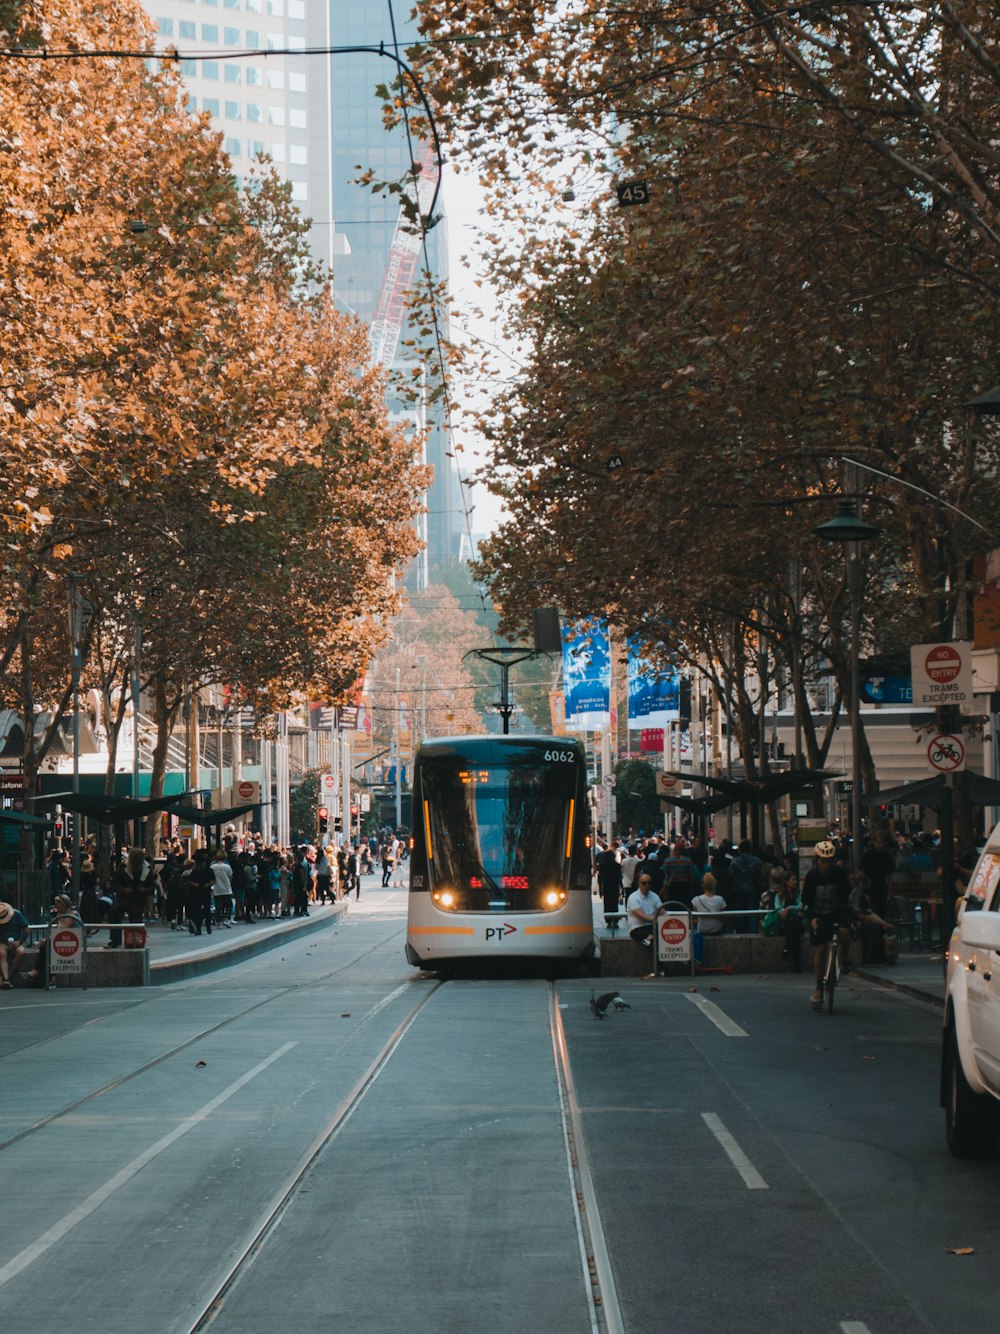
(322, 816)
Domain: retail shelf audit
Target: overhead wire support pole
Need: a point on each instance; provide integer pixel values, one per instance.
(505, 659)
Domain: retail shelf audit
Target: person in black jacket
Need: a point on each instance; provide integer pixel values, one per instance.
(609, 881)
(826, 899)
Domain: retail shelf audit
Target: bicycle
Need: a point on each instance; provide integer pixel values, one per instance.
(831, 974)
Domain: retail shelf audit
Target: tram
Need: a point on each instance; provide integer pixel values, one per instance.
(500, 865)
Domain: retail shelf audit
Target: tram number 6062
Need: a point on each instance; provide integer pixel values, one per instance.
(561, 756)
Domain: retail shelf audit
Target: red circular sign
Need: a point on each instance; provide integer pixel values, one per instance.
(943, 664)
(246, 790)
(65, 944)
(673, 930)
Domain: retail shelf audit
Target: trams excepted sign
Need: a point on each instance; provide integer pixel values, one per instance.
(673, 935)
(942, 674)
(946, 754)
(66, 950)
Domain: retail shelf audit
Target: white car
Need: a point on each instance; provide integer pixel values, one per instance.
(970, 1064)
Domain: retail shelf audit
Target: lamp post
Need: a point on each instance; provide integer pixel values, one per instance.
(850, 528)
(76, 625)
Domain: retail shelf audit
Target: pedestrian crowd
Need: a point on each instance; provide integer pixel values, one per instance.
(739, 888)
(244, 880)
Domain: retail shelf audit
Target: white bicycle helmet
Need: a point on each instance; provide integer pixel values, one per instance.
(826, 850)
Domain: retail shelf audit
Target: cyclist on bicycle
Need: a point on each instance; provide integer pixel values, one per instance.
(826, 898)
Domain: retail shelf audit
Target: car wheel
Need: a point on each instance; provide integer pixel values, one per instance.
(971, 1118)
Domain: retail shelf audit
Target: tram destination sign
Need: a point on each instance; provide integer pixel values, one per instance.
(942, 674)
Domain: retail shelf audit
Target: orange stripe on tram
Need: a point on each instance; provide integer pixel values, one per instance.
(442, 930)
(558, 930)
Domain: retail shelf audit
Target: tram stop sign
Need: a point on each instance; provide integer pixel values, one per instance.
(673, 937)
(66, 950)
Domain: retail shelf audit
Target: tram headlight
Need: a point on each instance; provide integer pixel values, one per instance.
(444, 898)
(555, 897)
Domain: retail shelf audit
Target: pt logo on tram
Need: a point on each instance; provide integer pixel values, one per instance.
(498, 932)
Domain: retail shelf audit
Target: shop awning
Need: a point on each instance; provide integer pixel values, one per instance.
(208, 819)
(982, 791)
(108, 810)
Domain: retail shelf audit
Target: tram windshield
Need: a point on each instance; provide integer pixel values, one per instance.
(499, 835)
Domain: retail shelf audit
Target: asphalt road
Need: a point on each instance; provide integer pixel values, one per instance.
(323, 1139)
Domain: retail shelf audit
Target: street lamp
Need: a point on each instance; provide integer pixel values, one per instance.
(850, 528)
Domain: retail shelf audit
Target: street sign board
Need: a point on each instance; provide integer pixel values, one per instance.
(66, 950)
(246, 792)
(609, 780)
(942, 674)
(946, 754)
(666, 785)
(673, 937)
(366, 802)
(328, 785)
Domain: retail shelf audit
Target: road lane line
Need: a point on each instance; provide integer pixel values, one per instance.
(94, 1201)
(743, 1165)
(854, 1327)
(386, 999)
(720, 1019)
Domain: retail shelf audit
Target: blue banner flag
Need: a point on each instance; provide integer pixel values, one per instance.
(586, 656)
(653, 696)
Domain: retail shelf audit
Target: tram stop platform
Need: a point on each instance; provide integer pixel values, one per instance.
(175, 955)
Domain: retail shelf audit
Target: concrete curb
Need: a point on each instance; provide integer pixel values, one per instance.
(184, 966)
(918, 990)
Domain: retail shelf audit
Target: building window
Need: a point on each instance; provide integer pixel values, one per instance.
(297, 154)
(189, 68)
(231, 36)
(253, 40)
(275, 40)
(231, 4)
(295, 43)
(297, 118)
(234, 111)
(209, 32)
(277, 152)
(211, 105)
(296, 9)
(254, 7)
(254, 113)
(275, 78)
(255, 147)
(210, 69)
(233, 73)
(300, 191)
(276, 115)
(276, 7)
(254, 77)
(297, 83)
(165, 27)
(188, 29)
(234, 147)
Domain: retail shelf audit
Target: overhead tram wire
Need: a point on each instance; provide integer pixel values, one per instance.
(175, 55)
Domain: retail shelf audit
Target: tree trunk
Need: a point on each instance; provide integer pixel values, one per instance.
(164, 715)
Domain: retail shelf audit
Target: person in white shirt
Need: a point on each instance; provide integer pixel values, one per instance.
(629, 862)
(711, 903)
(223, 889)
(643, 905)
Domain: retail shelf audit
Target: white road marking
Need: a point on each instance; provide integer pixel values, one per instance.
(94, 1201)
(854, 1327)
(385, 1001)
(721, 1020)
(743, 1165)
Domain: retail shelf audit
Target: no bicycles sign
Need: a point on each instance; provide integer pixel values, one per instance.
(946, 754)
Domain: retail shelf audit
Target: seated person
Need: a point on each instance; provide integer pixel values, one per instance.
(62, 914)
(643, 905)
(786, 917)
(710, 903)
(13, 934)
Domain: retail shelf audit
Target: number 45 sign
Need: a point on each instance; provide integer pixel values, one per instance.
(632, 193)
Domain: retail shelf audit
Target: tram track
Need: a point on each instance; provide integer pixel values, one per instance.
(68, 1108)
(274, 1211)
(602, 1294)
